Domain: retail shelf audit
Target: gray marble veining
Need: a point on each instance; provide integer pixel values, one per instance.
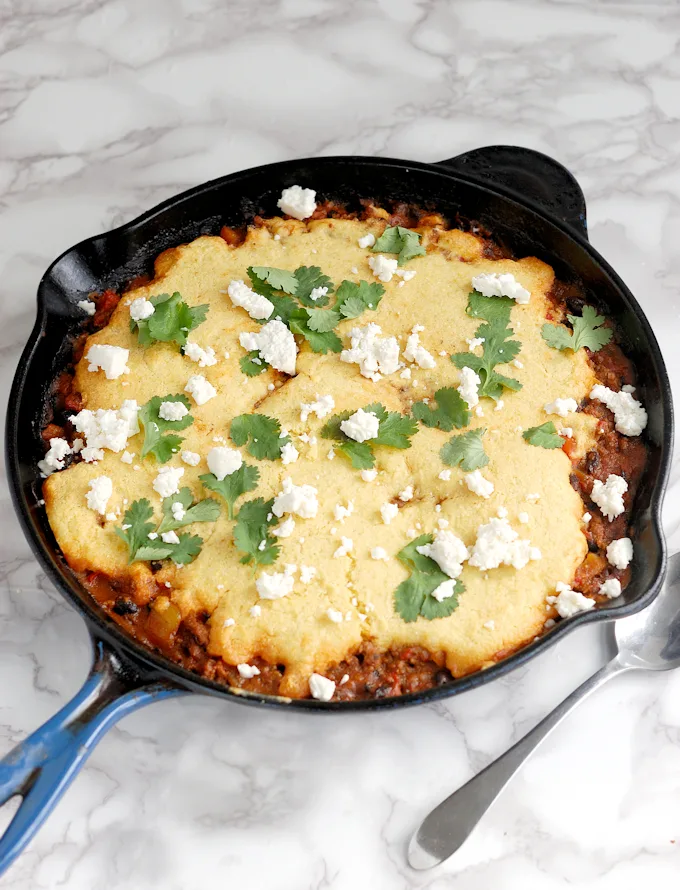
(109, 107)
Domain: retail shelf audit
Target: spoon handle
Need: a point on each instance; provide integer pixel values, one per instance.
(449, 825)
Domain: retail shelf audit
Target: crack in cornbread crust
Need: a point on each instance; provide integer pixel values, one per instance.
(295, 631)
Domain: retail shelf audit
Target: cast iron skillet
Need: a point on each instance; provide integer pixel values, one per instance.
(524, 198)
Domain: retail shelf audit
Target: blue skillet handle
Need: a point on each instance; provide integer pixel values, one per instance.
(41, 768)
(531, 176)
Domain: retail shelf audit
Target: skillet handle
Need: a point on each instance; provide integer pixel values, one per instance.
(41, 768)
(530, 176)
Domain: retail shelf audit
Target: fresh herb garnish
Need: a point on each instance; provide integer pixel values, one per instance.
(544, 436)
(497, 349)
(155, 441)
(277, 279)
(263, 432)
(251, 364)
(394, 430)
(137, 526)
(451, 412)
(588, 331)
(413, 597)
(172, 320)
(253, 523)
(320, 342)
(490, 308)
(234, 485)
(397, 239)
(308, 278)
(353, 299)
(322, 320)
(465, 450)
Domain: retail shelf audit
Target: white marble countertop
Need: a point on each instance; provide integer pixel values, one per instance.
(107, 108)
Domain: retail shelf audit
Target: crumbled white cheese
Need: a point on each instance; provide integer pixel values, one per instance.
(502, 513)
(489, 625)
(297, 202)
(367, 240)
(298, 499)
(335, 615)
(346, 546)
(609, 495)
(200, 389)
(444, 591)
(406, 374)
(375, 355)
(112, 360)
(321, 406)
(341, 513)
(627, 388)
(405, 275)
(379, 553)
(517, 363)
(474, 342)
(191, 458)
(491, 284)
(224, 461)
(274, 586)
(562, 407)
(166, 482)
(256, 305)
(361, 426)
(469, 386)
(178, 511)
(87, 306)
(248, 671)
(141, 309)
(170, 537)
(383, 267)
(255, 611)
(289, 453)
(611, 588)
(499, 544)
(445, 475)
(108, 428)
(533, 497)
(276, 345)
(229, 622)
(523, 517)
(479, 485)
(585, 519)
(569, 602)
(317, 292)
(321, 688)
(369, 475)
(307, 573)
(565, 431)
(172, 410)
(127, 457)
(54, 459)
(406, 495)
(620, 553)
(205, 357)
(629, 415)
(92, 455)
(388, 512)
(414, 352)
(448, 551)
(285, 529)
(101, 489)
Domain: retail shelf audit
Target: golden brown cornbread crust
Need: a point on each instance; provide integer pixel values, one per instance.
(295, 633)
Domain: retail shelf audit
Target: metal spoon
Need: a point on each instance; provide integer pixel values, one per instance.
(648, 641)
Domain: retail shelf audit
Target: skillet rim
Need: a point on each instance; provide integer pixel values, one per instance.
(150, 664)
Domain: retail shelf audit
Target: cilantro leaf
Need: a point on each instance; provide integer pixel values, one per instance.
(253, 523)
(207, 510)
(544, 436)
(327, 341)
(353, 299)
(413, 597)
(397, 239)
(233, 486)
(394, 430)
(181, 554)
(491, 308)
(497, 348)
(162, 446)
(322, 320)
(465, 449)
(263, 432)
(251, 364)
(451, 411)
(308, 278)
(153, 550)
(587, 331)
(172, 320)
(277, 279)
(136, 526)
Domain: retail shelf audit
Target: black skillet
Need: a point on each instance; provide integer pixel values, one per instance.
(527, 200)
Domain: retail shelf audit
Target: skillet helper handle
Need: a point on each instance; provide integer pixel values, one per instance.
(530, 176)
(450, 824)
(41, 768)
